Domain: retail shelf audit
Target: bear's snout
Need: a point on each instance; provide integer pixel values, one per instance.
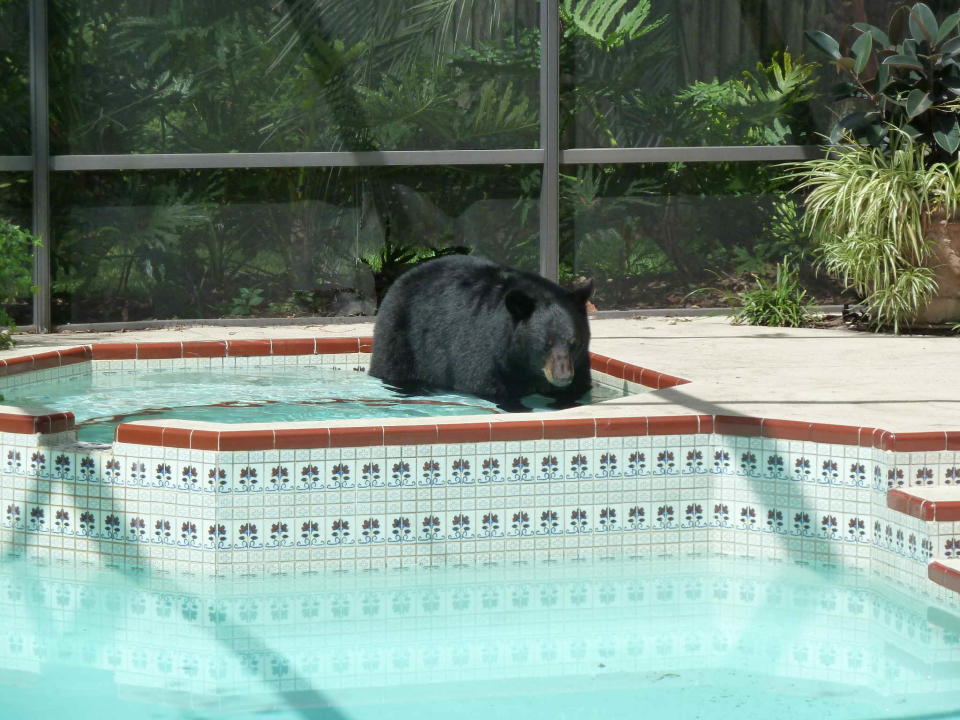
(558, 368)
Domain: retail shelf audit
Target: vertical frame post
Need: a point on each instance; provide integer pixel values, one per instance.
(40, 142)
(550, 138)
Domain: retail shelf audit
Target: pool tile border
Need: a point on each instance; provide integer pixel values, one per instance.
(516, 430)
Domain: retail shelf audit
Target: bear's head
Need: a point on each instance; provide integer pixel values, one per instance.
(551, 336)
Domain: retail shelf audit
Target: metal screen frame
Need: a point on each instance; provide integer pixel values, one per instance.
(550, 156)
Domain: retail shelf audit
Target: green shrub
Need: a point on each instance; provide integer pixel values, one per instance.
(782, 304)
(246, 301)
(16, 262)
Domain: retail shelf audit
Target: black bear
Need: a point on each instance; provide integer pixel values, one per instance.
(473, 326)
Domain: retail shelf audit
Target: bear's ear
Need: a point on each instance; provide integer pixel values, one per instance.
(582, 293)
(519, 304)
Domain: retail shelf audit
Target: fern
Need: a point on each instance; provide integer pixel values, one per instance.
(499, 109)
(596, 19)
(785, 81)
(747, 109)
(400, 107)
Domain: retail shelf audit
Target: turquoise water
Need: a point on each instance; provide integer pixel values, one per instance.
(269, 393)
(704, 639)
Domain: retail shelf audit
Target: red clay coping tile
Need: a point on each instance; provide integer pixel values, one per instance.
(944, 575)
(410, 434)
(239, 440)
(293, 346)
(673, 425)
(226, 348)
(929, 510)
(301, 438)
(365, 436)
(463, 433)
(71, 356)
(247, 348)
(44, 360)
(16, 365)
(622, 427)
(919, 441)
(114, 351)
(634, 373)
(737, 425)
(569, 428)
(512, 431)
(159, 350)
(282, 438)
(55, 423)
(27, 423)
(205, 349)
(139, 434)
(176, 437)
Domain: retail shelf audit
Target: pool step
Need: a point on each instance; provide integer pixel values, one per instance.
(945, 572)
(933, 504)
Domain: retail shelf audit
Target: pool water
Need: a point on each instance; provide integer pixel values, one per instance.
(269, 393)
(705, 638)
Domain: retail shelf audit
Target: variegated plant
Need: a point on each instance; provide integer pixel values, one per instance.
(868, 209)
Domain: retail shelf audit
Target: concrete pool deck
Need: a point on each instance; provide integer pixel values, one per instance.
(832, 375)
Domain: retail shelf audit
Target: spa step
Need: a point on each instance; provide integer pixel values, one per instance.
(937, 504)
(946, 573)
(932, 504)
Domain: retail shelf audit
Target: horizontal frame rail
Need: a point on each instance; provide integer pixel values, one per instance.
(530, 156)
(717, 153)
(197, 161)
(16, 163)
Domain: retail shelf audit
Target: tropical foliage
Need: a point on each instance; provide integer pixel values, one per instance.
(907, 78)
(16, 251)
(136, 76)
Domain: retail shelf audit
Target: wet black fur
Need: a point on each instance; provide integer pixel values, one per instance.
(470, 325)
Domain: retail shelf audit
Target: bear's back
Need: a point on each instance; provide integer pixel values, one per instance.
(446, 323)
(440, 324)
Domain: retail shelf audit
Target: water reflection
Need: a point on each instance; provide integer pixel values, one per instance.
(557, 636)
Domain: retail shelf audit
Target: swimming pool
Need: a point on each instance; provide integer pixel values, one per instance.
(693, 637)
(274, 499)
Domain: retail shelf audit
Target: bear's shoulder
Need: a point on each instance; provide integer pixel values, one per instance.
(483, 273)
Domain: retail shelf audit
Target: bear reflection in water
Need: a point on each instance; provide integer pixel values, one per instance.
(472, 326)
